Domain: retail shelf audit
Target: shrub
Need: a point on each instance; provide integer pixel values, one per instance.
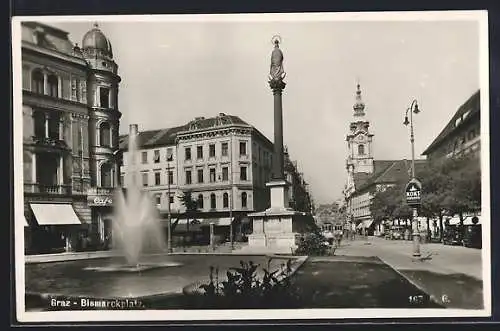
(243, 288)
(314, 244)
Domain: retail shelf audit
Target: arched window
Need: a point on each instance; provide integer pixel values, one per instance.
(213, 203)
(53, 83)
(106, 176)
(244, 200)
(225, 200)
(105, 134)
(200, 201)
(37, 81)
(361, 149)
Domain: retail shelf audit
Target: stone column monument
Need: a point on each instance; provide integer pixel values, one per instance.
(276, 229)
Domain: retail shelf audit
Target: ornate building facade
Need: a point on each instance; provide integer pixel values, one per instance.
(223, 161)
(70, 135)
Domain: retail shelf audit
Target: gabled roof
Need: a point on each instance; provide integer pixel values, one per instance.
(464, 113)
(387, 172)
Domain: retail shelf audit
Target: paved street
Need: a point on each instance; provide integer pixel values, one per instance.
(451, 274)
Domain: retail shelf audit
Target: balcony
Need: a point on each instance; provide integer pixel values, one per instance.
(46, 189)
(101, 191)
(49, 142)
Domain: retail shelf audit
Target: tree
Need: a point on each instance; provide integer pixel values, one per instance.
(191, 206)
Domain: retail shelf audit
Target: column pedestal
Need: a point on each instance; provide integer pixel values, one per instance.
(278, 228)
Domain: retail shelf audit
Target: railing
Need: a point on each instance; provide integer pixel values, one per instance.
(101, 190)
(48, 189)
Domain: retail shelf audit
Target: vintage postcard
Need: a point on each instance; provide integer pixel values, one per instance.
(251, 166)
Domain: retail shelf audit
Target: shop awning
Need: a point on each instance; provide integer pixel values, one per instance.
(222, 221)
(26, 224)
(55, 214)
(364, 224)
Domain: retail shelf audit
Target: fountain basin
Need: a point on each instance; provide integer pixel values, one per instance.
(132, 268)
(160, 283)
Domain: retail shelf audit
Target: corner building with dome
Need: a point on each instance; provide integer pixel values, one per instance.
(71, 153)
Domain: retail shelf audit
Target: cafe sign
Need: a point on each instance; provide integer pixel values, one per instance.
(413, 192)
(99, 200)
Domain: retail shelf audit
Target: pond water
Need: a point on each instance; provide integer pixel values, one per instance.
(113, 278)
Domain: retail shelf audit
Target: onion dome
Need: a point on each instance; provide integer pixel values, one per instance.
(97, 41)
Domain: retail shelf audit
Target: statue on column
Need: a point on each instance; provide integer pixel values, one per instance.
(276, 72)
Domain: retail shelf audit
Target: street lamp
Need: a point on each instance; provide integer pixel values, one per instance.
(169, 215)
(413, 109)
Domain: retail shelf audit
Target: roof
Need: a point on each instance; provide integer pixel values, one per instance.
(152, 138)
(167, 136)
(48, 37)
(464, 113)
(386, 172)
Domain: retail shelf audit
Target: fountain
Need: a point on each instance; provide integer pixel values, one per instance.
(136, 226)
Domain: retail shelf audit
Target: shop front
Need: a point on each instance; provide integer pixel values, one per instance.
(55, 228)
(101, 204)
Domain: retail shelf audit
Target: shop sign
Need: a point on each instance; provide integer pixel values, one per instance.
(99, 200)
(413, 192)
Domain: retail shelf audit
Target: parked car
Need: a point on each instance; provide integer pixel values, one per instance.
(397, 232)
(472, 236)
(452, 235)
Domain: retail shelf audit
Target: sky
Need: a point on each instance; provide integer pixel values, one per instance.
(174, 71)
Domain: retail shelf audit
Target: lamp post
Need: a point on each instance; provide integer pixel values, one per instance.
(413, 109)
(169, 215)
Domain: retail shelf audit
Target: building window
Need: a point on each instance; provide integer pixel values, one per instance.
(53, 84)
(144, 157)
(122, 180)
(39, 119)
(157, 178)
(105, 134)
(158, 199)
(212, 175)
(243, 173)
(225, 200)
(361, 149)
(211, 150)
(104, 97)
(156, 157)
(106, 178)
(224, 149)
(244, 200)
(213, 202)
(187, 152)
(200, 176)
(170, 154)
(37, 81)
(200, 201)
(199, 152)
(243, 148)
(225, 173)
(171, 200)
(145, 179)
(170, 177)
(188, 177)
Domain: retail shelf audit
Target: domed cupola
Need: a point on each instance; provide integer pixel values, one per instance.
(95, 41)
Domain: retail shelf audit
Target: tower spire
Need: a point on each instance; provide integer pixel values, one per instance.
(359, 106)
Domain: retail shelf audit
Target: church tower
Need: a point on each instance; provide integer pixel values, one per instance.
(104, 116)
(359, 140)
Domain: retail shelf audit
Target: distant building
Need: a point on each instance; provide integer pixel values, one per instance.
(70, 136)
(365, 175)
(462, 133)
